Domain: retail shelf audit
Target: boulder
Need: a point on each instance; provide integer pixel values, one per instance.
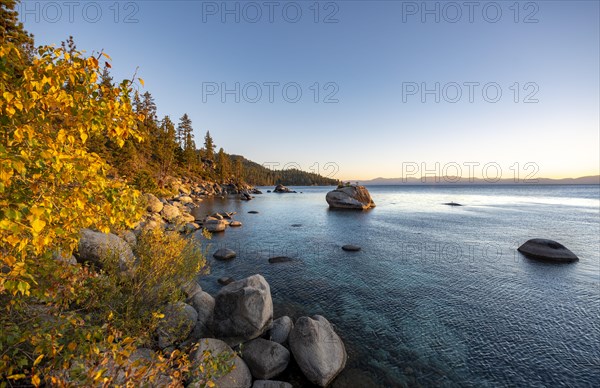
(225, 280)
(264, 358)
(204, 304)
(170, 213)
(282, 189)
(243, 310)
(197, 213)
(191, 288)
(183, 199)
(350, 197)
(215, 226)
(318, 350)
(351, 248)
(179, 321)
(96, 247)
(153, 204)
(224, 254)
(281, 330)
(239, 377)
(548, 250)
(235, 224)
(271, 384)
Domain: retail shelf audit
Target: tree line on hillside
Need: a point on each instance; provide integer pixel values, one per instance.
(170, 150)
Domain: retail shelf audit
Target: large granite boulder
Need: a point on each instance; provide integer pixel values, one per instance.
(318, 350)
(99, 248)
(239, 377)
(213, 225)
(153, 204)
(243, 310)
(350, 197)
(265, 359)
(179, 321)
(282, 189)
(548, 250)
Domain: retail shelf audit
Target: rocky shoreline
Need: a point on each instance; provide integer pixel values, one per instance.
(237, 323)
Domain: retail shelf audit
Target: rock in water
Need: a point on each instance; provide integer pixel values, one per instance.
(282, 189)
(264, 358)
(225, 280)
(239, 377)
(224, 254)
(318, 350)
(350, 197)
(243, 310)
(214, 226)
(452, 204)
(548, 250)
(280, 259)
(351, 248)
(96, 247)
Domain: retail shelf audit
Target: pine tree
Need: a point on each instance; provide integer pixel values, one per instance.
(239, 171)
(209, 147)
(12, 31)
(186, 135)
(165, 149)
(223, 166)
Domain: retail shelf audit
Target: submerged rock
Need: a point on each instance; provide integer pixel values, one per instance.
(350, 197)
(351, 248)
(224, 254)
(252, 212)
(318, 350)
(280, 259)
(548, 250)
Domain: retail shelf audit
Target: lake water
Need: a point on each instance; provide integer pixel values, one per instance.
(438, 296)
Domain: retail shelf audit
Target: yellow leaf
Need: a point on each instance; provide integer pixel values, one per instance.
(38, 225)
(210, 384)
(107, 56)
(38, 360)
(35, 380)
(72, 346)
(141, 81)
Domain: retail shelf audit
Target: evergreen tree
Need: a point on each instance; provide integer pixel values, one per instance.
(12, 31)
(209, 147)
(239, 171)
(165, 149)
(186, 133)
(223, 166)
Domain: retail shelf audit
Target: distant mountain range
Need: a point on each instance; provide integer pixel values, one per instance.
(430, 180)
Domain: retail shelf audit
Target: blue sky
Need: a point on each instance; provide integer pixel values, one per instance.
(374, 58)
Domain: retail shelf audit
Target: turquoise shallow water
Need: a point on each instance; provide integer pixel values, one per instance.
(438, 296)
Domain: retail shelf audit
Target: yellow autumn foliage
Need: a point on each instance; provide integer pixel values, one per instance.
(50, 186)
